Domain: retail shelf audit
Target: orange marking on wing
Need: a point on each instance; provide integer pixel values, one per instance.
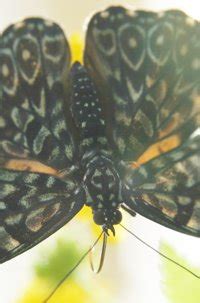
(30, 166)
(157, 149)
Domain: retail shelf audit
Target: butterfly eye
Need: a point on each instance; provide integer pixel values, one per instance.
(99, 217)
(116, 217)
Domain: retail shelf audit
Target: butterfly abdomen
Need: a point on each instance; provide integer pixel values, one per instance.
(86, 108)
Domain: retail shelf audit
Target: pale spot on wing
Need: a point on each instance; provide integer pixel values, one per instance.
(149, 81)
(19, 25)
(190, 21)
(34, 220)
(6, 241)
(2, 122)
(6, 190)
(184, 50)
(123, 118)
(196, 107)
(13, 219)
(184, 200)
(37, 218)
(145, 121)
(2, 205)
(160, 40)
(26, 54)
(5, 70)
(105, 14)
(48, 23)
(196, 63)
(132, 42)
(194, 221)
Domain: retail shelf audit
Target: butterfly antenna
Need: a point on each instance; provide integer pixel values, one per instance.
(73, 268)
(102, 257)
(161, 254)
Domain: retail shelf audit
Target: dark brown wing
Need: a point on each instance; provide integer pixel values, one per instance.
(147, 68)
(35, 136)
(32, 207)
(167, 188)
(34, 114)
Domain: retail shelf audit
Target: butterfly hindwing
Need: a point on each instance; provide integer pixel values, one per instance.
(147, 67)
(32, 207)
(34, 122)
(167, 188)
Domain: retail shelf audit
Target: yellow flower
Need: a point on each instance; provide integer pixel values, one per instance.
(77, 46)
(68, 292)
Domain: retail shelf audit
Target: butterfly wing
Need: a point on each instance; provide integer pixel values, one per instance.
(167, 188)
(37, 147)
(34, 116)
(147, 66)
(32, 207)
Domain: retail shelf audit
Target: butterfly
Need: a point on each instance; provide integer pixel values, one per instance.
(112, 133)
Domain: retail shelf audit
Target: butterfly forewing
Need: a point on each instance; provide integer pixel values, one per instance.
(34, 65)
(147, 66)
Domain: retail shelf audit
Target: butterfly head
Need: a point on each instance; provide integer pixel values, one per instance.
(107, 218)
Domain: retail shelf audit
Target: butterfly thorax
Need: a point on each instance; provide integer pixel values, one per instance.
(101, 179)
(103, 187)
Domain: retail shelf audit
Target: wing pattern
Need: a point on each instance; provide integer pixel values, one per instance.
(32, 207)
(147, 67)
(167, 188)
(34, 64)
(37, 148)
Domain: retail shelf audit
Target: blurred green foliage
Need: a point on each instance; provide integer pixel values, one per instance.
(179, 285)
(56, 262)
